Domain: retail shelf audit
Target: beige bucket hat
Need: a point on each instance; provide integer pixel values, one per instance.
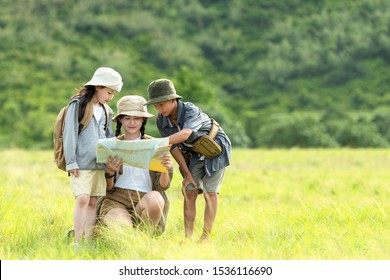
(107, 77)
(132, 105)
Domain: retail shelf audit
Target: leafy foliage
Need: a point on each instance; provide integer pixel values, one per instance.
(263, 62)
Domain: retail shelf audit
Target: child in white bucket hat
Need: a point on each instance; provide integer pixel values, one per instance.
(86, 176)
(107, 77)
(135, 195)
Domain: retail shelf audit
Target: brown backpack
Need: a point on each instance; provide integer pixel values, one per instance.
(58, 134)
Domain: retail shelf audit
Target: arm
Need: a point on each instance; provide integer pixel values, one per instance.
(180, 136)
(164, 177)
(178, 156)
(71, 132)
(112, 167)
(177, 138)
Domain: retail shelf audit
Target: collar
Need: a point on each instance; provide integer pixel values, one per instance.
(122, 137)
(180, 117)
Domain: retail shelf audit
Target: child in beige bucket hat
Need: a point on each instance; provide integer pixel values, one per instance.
(132, 105)
(134, 195)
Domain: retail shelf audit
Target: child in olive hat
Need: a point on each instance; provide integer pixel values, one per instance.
(184, 123)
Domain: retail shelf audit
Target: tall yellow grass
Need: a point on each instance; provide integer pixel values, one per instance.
(274, 204)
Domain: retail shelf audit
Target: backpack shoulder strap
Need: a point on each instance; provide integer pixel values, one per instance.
(89, 113)
(87, 116)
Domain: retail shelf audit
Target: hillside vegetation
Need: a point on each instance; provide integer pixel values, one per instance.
(273, 73)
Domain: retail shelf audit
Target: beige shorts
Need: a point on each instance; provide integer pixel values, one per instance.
(90, 182)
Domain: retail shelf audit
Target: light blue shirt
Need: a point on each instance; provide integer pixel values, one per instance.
(80, 148)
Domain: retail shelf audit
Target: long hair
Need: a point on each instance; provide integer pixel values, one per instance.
(85, 95)
(119, 126)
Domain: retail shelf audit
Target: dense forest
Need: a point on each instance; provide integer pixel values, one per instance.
(274, 73)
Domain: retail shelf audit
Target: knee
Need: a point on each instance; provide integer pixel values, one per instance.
(156, 200)
(92, 202)
(210, 197)
(192, 195)
(82, 200)
(152, 204)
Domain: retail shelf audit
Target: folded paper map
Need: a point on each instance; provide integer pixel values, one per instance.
(138, 153)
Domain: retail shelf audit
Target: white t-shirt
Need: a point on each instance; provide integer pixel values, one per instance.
(134, 178)
(98, 112)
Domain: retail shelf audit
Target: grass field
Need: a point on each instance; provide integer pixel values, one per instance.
(274, 205)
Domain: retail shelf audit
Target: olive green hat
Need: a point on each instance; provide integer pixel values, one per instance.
(161, 90)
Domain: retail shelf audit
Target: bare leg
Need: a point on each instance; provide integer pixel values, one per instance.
(79, 215)
(117, 216)
(210, 213)
(90, 220)
(150, 208)
(190, 212)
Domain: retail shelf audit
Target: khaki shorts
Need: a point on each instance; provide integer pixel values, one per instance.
(204, 182)
(121, 198)
(91, 182)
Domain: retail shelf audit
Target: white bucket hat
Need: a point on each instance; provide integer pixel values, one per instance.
(106, 77)
(132, 105)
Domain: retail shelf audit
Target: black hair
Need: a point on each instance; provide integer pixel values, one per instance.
(119, 126)
(85, 95)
